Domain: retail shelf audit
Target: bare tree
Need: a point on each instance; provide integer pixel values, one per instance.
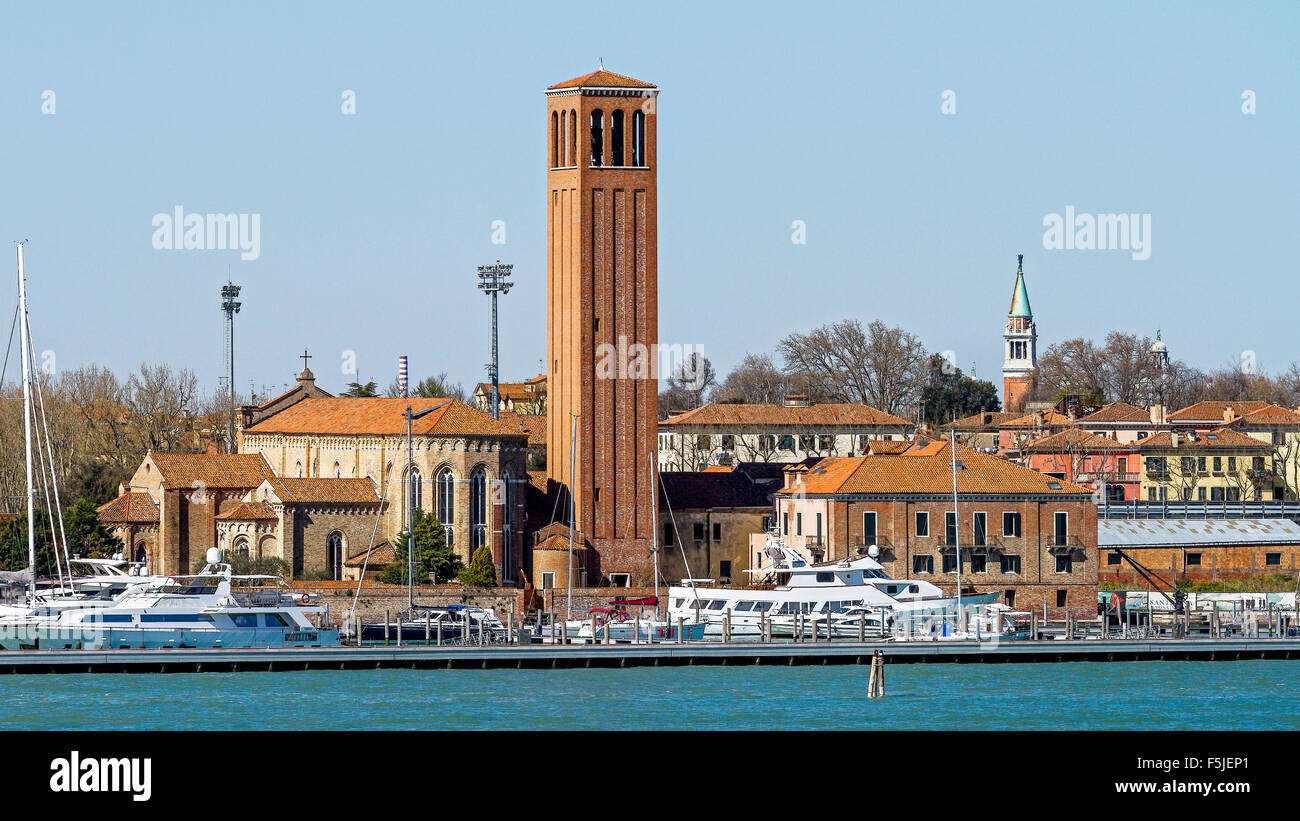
(756, 380)
(158, 400)
(878, 365)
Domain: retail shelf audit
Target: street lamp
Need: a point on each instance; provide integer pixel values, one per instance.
(494, 279)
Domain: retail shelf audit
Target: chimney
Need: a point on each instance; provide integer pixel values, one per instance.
(794, 475)
(1229, 413)
(796, 400)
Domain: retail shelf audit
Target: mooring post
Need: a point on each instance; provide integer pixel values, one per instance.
(594, 639)
(726, 625)
(564, 632)
(1069, 625)
(388, 617)
(636, 629)
(510, 637)
(881, 678)
(1033, 625)
(428, 628)
(440, 632)
(862, 626)
(679, 629)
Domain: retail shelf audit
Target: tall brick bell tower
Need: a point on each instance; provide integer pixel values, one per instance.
(602, 280)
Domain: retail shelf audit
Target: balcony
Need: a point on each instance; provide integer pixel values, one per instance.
(1107, 477)
(1063, 544)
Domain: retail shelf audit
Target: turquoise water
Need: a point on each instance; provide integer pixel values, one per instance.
(1245, 695)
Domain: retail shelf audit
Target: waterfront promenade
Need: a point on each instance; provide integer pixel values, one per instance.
(653, 655)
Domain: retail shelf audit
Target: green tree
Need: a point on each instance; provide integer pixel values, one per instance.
(87, 535)
(949, 394)
(358, 389)
(481, 572)
(432, 555)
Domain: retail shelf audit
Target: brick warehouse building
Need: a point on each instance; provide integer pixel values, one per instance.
(1029, 536)
(602, 294)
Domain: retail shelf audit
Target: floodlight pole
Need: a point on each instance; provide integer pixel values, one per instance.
(494, 279)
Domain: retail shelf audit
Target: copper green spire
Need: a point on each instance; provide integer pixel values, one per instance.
(1020, 298)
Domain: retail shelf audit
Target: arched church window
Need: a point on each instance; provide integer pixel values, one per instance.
(638, 139)
(477, 509)
(334, 555)
(597, 138)
(446, 489)
(555, 139)
(571, 148)
(414, 490)
(616, 138)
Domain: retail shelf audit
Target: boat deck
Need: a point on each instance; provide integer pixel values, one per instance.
(627, 655)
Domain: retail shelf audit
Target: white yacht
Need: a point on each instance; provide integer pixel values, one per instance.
(190, 611)
(811, 591)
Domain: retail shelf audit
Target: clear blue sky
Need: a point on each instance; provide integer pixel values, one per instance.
(372, 225)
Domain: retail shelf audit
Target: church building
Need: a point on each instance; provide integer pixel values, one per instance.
(1020, 341)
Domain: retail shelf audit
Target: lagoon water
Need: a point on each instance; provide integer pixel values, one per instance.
(1244, 695)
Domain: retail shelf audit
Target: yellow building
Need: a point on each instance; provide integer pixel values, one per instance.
(1214, 465)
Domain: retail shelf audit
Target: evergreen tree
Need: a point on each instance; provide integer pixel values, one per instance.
(87, 535)
(432, 555)
(481, 572)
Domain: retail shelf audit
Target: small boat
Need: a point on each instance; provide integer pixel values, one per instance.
(185, 611)
(447, 625)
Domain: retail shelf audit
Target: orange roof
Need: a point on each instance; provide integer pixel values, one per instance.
(720, 469)
(927, 470)
(328, 491)
(381, 555)
(1116, 412)
(248, 511)
(601, 78)
(382, 416)
(505, 390)
(887, 446)
(719, 413)
(1047, 419)
(531, 424)
(1211, 410)
(214, 470)
(986, 419)
(1269, 415)
(537, 478)
(1217, 438)
(1074, 439)
(129, 508)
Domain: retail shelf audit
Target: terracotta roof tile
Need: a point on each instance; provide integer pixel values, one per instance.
(382, 416)
(986, 419)
(531, 424)
(325, 491)
(719, 413)
(381, 555)
(1116, 412)
(129, 508)
(1269, 415)
(927, 470)
(603, 79)
(248, 511)
(215, 470)
(1211, 410)
(1075, 439)
(1225, 438)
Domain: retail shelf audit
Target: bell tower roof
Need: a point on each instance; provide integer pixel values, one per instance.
(1020, 297)
(600, 78)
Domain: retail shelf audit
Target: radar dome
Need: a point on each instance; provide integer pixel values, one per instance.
(874, 551)
(213, 555)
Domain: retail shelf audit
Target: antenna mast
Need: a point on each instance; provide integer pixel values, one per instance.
(230, 307)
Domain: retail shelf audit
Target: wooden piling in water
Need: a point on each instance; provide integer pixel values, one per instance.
(388, 617)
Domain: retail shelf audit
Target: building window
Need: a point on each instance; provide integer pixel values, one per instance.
(697, 530)
(922, 525)
(1064, 563)
(1060, 598)
(767, 523)
(1011, 524)
(724, 569)
(980, 529)
(728, 442)
(333, 554)
(638, 139)
(1060, 527)
(717, 531)
(445, 487)
(786, 442)
(826, 443)
(616, 138)
(597, 138)
(548, 580)
(950, 528)
(949, 563)
(766, 442)
(620, 579)
(869, 527)
(1009, 596)
(1009, 563)
(1272, 559)
(785, 524)
(414, 491)
(798, 524)
(1192, 559)
(806, 443)
(555, 139)
(477, 510)
(922, 564)
(668, 535)
(819, 528)
(979, 563)
(1113, 559)
(702, 442)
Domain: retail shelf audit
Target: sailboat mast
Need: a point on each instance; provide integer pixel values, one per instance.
(27, 425)
(654, 522)
(956, 528)
(573, 510)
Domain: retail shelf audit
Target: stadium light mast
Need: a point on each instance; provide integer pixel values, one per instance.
(494, 279)
(230, 307)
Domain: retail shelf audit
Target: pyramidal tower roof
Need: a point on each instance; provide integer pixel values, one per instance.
(1020, 297)
(600, 78)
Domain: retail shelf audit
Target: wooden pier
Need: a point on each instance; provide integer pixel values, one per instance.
(532, 657)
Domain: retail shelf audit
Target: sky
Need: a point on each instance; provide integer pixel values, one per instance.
(921, 147)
